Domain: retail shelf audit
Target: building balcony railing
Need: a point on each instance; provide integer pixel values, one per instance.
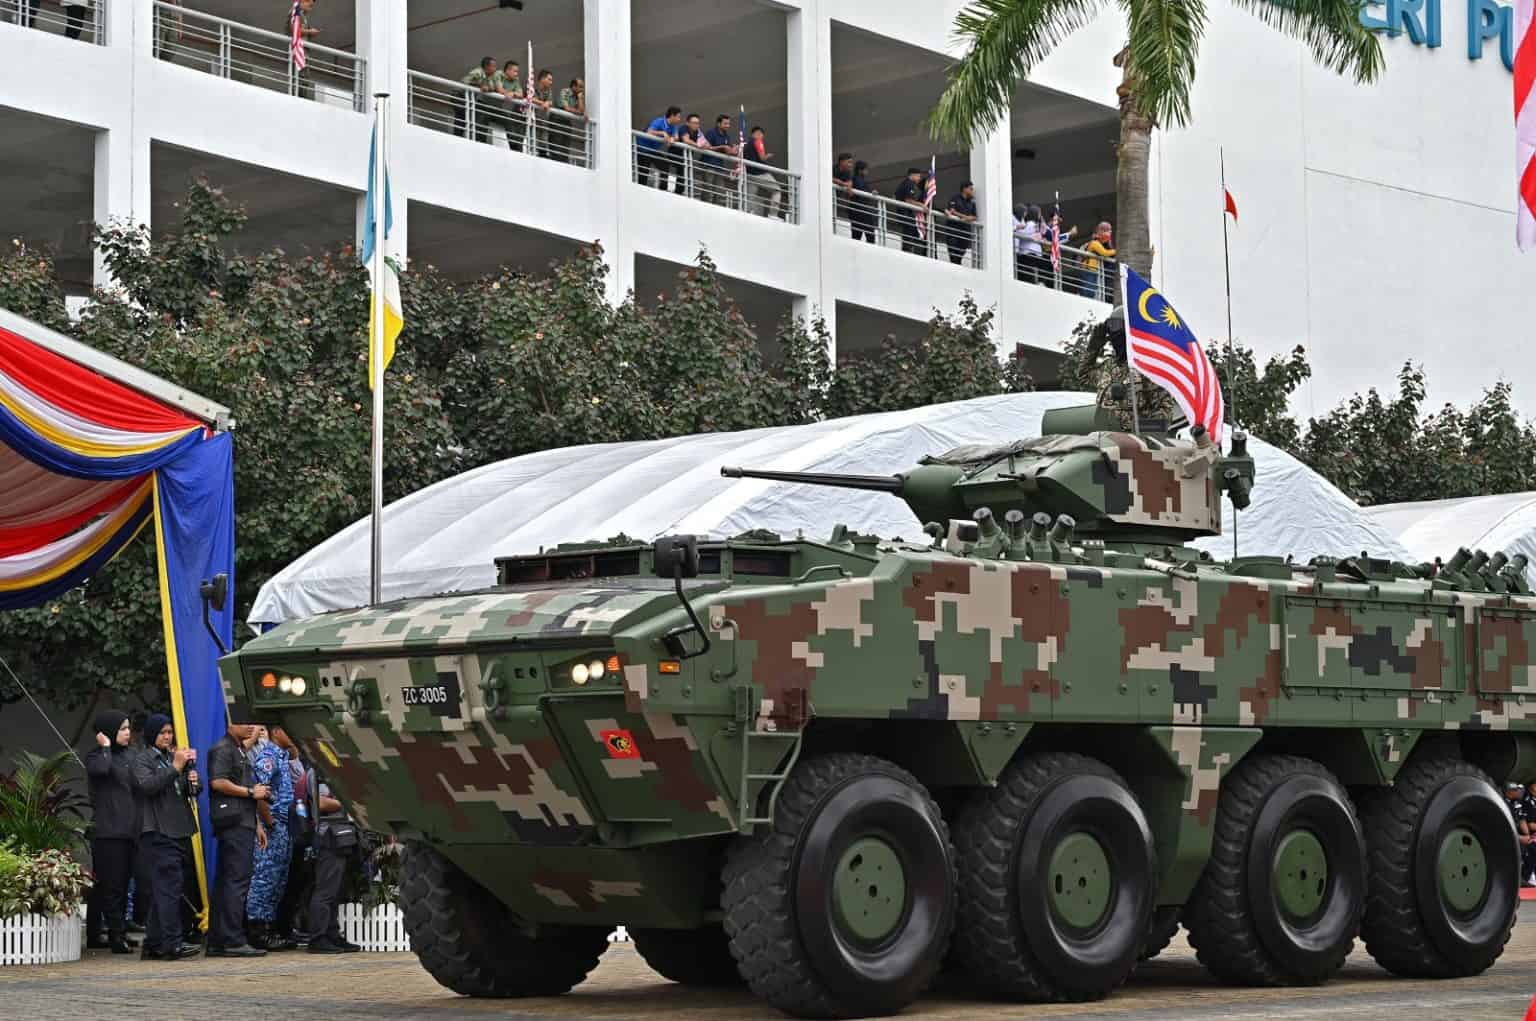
(933, 234)
(1080, 272)
(446, 105)
(85, 20)
(754, 188)
(257, 57)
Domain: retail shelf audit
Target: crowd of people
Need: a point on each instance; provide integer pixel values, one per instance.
(909, 212)
(541, 122)
(283, 843)
(1089, 274)
(721, 164)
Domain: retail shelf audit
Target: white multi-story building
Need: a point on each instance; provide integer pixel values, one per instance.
(1377, 222)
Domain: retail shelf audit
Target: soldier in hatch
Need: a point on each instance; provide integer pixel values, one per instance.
(1104, 363)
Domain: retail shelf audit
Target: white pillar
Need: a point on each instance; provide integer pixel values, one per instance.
(122, 185)
(129, 25)
(608, 66)
(992, 170)
(809, 95)
(383, 43)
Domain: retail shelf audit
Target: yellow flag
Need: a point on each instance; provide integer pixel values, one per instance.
(394, 318)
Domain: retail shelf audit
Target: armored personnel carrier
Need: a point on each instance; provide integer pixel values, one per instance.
(1025, 744)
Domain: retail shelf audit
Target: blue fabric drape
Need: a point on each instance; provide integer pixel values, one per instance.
(15, 434)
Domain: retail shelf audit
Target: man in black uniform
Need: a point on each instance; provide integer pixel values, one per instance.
(233, 794)
(959, 235)
(1525, 827)
(165, 781)
(910, 193)
(336, 840)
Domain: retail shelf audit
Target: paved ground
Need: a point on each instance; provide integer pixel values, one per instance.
(369, 986)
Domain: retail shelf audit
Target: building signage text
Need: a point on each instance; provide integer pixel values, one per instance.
(1420, 21)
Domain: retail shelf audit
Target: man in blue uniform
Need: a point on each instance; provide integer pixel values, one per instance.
(270, 875)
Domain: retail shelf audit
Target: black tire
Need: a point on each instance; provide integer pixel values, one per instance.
(472, 943)
(1164, 926)
(1014, 937)
(796, 948)
(1411, 928)
(1279, 812)
(691, 957)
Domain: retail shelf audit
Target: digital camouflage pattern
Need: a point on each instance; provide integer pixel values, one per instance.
(458, 719)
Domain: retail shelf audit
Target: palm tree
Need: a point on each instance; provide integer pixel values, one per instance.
(1007, 38)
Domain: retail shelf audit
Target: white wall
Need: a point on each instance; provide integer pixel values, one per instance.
(1376, 223)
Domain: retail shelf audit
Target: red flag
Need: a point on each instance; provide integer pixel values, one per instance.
(1530, 1014)
(296, 37)
(1231, 204)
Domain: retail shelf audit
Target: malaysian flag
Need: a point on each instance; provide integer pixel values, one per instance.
(296, 37)
(1525, 122)
(1161, 347)
(530, 90)
(741, 144)
(1056, 237)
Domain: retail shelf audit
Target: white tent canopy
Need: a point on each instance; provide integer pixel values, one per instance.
(446, 537)
(1437, 528)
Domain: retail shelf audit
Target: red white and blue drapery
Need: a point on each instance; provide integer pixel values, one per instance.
(86, 464)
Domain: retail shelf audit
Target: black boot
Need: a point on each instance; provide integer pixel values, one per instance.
(256, 933)
(119, 944)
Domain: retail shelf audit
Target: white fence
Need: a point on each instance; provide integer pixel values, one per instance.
(381, 930)
(38, 939)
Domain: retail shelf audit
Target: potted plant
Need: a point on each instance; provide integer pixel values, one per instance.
(41, 884)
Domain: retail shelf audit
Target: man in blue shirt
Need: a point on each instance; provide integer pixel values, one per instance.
(654, 151)
(719, 185)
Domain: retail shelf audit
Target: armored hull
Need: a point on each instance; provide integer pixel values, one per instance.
(803, 764)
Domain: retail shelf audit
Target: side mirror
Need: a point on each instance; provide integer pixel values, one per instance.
(216, 592)
(676, 556)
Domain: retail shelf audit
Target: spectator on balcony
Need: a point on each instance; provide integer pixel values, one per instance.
(762, 182)
(1031, 264)
(306, 86)
(654, 151)
(719, 188)
(74, 17)
(865, 210)
(573, 101)
(1095, 283)
(959, 230)
(691, 143)
(547, 146)
(484, 80)
(842, 180)
(910, 193)
(509, 96)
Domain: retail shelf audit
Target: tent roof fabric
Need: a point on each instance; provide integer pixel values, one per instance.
(1437, 528)
(447, 536)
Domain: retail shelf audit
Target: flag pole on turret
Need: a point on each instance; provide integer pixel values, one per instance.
(1229, 208)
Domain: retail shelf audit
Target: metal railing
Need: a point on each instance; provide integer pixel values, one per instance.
(877, 220)
(490, 117)
(85, 20)
(719, 179)
(257, 57)
(1080, 272)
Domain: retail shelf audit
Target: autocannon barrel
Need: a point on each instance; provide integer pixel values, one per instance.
(878, 483)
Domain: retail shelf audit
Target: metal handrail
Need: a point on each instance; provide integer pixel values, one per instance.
(443, 104)
(256, 56)
(718, 178)
(1100, 283)
(92, 24)
(866, 216)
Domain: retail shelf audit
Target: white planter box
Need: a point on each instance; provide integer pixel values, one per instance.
(37, 939)
(382, 930)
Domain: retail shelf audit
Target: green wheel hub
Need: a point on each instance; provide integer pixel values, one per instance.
(1463, 870)
(1080, 880)
(1300, 874)
(869, 890)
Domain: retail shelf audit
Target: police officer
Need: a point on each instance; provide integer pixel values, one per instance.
(114, 827)
(336, 841)
(166, 781)
(233, 794)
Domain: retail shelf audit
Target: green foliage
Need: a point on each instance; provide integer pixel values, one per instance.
(47, 882)
(1261, 400)
(39, 811)
(29, 287)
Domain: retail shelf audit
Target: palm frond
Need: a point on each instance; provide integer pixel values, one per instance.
(1004, 40)
(1164, 45)
(1330, 28)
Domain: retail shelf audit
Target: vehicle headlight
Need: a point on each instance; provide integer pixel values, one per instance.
(595, 669)
(285, 685)
(299, 686)
(580, 673)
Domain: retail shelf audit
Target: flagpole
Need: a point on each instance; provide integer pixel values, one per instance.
(1226, 260)
(376, 347)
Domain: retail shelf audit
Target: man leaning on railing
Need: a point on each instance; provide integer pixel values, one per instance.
(763, 190)
(573, 101)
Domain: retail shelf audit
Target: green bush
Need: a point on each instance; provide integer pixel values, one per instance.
(46, 883)
(38, 810)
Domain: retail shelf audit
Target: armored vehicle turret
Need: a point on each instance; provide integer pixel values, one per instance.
(1032, 740)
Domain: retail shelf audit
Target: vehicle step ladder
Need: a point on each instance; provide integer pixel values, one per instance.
(773, 782)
